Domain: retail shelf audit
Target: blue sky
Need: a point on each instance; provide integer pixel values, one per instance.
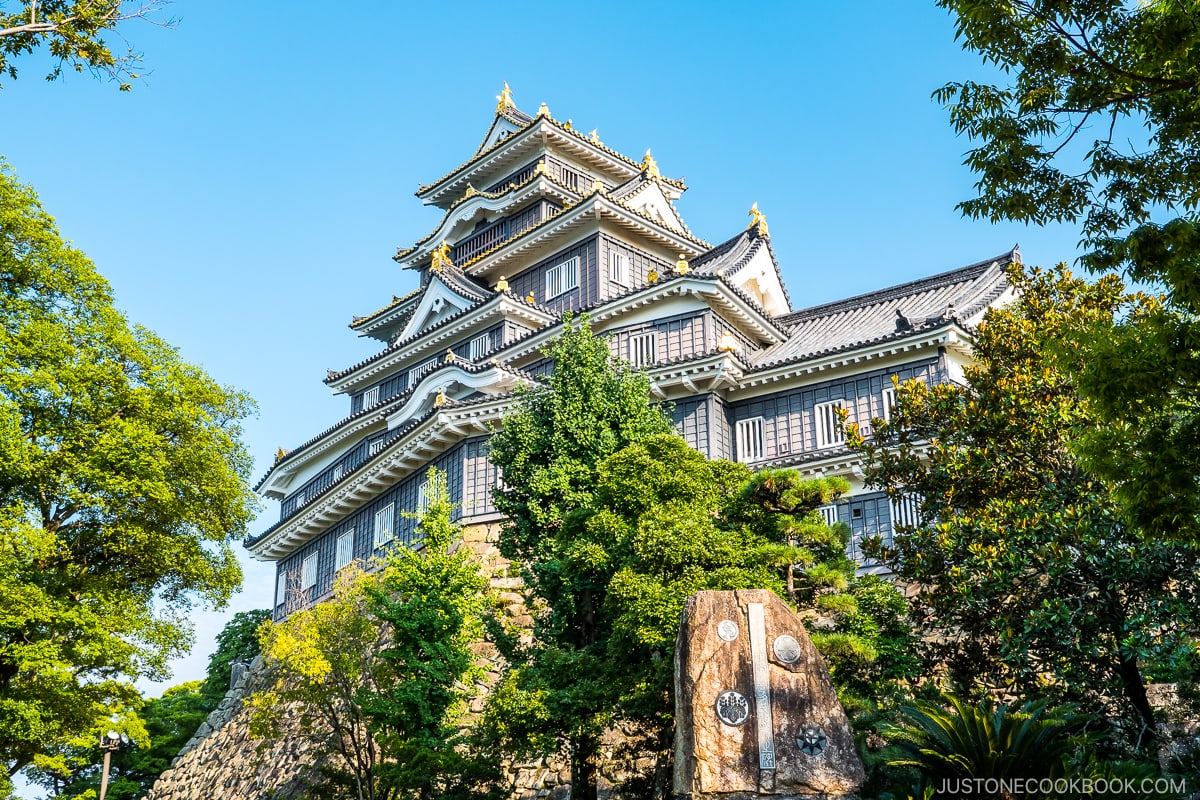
(245, 198)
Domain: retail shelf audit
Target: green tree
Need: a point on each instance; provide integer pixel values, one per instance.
(379, 673)
(614, 522)
(123, 482)
(1095, 123)
(237, 641)
(549, 452)
(72, 31)
(1028, 580)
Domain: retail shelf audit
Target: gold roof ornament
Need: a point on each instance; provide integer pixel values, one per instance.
(471, 192)
(543, 110)
(567, 124)
(681, 266)
(597, 185)
(504, 100)
(650, 166)
(449, 355)
(441, 397)
(280, 453)
(758, 220)
(728, 343)
(529, 298)
(539, 168)
(441, 257)
(594, 137)
(501, 285)
(652, 275)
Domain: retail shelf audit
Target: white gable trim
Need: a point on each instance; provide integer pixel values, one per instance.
(759, 280)
(651, 199)
(438, 301)
(454, 383)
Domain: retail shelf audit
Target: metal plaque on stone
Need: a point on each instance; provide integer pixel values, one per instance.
(812, 740)
(762, 686)
(732, 708)
(728, 630)
(787, 649)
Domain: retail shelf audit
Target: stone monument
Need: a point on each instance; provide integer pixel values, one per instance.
(755, 712)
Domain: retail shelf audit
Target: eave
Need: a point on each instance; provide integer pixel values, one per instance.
(540, 184)
(593, 207)
(410, 452)
(503, 306)
(509, 152)
(763, 379)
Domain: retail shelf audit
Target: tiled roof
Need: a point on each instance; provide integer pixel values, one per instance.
(356, 322)
(734, 253)
(958, 294)
(462, 283)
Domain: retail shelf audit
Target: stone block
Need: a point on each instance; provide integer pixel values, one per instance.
(756, 714)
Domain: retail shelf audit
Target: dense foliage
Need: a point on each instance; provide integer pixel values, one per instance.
(122, 485)
(237, 641)
(615, 525)
(1096, 122)
(1029, 580)
(378, 675)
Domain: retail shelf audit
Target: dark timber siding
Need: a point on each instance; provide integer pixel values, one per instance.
(678, 337)
(640, 263)
(404, 495)
(722, 435)
(788, 418)
(691, 419)
(534, 279)
(397, 382)
(479, 478)
(868, 516)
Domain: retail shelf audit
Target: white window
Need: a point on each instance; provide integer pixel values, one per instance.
(643, 349)
(828, 514)
(301, 499)
(905, 511)
(618, 268)
(339, 469)
(281, 587)
(423, 497)
(562, 277)
(825, 417)
(345, 549)
(370, 397)
(383, 524)
(889, 402)
(377, 445)
(308, 575)
(420, 371)
(750, 440)
(480, 346)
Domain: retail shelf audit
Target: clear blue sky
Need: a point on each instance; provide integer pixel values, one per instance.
(245, 199)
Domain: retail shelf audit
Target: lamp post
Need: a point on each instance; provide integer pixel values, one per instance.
(109, 743)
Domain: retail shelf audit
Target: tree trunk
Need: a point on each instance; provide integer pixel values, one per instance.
(1135, 690)
(583, 765)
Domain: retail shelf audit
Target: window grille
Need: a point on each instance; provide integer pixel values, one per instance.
(618, 270)
(889, 402)
(281, 587)
(420, 371)
(308, 573)
(339, 469)
(375, 446)
(345, 549)
(643, 349)
(383, 524)
(562, 277)
(423, 497)
(825, 416)
(370, 397)
(750, 440)
(479, 346)
(905, 511)
(301, 498)
(828, 514)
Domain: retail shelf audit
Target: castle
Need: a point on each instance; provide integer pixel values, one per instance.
(544, 219)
